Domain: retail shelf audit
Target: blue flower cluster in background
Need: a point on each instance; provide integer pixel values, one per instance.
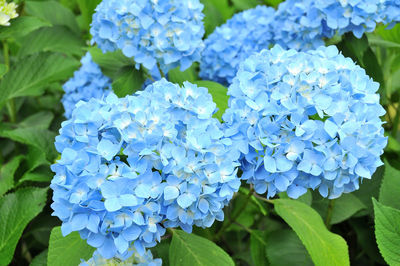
(311, 120)
(131, 167)
(135, 260)
(164, 32)
(231, 43)
(88, 82)
(301, 25)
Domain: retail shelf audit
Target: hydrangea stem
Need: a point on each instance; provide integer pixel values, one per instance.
(10, 104)
(232, 219)
(159, 69)
(329, 214)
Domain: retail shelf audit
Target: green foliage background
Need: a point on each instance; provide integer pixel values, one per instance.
(41, 50)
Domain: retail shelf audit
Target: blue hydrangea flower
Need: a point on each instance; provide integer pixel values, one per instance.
(167, 32)
(88, 82)
(136, 259)
(133, 166)
(392, 12)
(305, 120)
(245, 33)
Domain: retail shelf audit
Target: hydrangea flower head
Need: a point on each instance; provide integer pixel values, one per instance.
(305, 120)
(245, 33)
(88, 82)
(131, 167)
(7, 11)
(164, 32)
(136, 259)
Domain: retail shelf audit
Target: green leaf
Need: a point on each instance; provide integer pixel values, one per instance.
(3, 70)
(40, 119)
(176, 76)
(17, 210)
(40, 260)
(274, 3)
(128, 82)
(285, 248)
(68, 250)
(219, 94)
(53, 12)
(324, 247)
(37, 71)
(87, 8)
(258, 248)
(345, 207)
(189, 249)
(387, 232)
(216, 13)
(389, 192)
(22, 26)
(372, 67)
(370, 188)
(110, 62)
(7, 172)
(41, 139)
(392, 35)
(39, 175)
(52, 39)
(245, 4)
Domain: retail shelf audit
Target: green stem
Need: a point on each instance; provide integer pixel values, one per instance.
(10, 104)
(396, 121)
(232, 219)
(329, 214)
(161, 72)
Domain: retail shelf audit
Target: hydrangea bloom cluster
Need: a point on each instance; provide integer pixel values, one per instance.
(135, 260)
(88, 82)
(300, 25)
(7, 11)
(167, 32)
(305, 120)
(392, 12)
(133, 166)
(246, 32)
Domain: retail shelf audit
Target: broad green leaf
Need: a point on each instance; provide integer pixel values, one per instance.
(285, 248)
(7, 172)
(176, 76)
(392, 35)
(68, 250)
(372, 67)
(40, 260)
(87, 9)
(306, 198)
(36, 158)
(3, 70)
(366, 238)
(40, 119)
(39, 175)
(22, 26)
(216, 13)
(110, 62)
(128, 82)
(324, 247)
(384, 43)
(41, 139)
(370, 188)
(37, 71)
(345, 207)
(52, 39)
(189, 249)
(245, 4)
(17, 210)
(389, 192)
(219, 94)
(258, 244)
(387, 232)
(273, 3)
(53, 12)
